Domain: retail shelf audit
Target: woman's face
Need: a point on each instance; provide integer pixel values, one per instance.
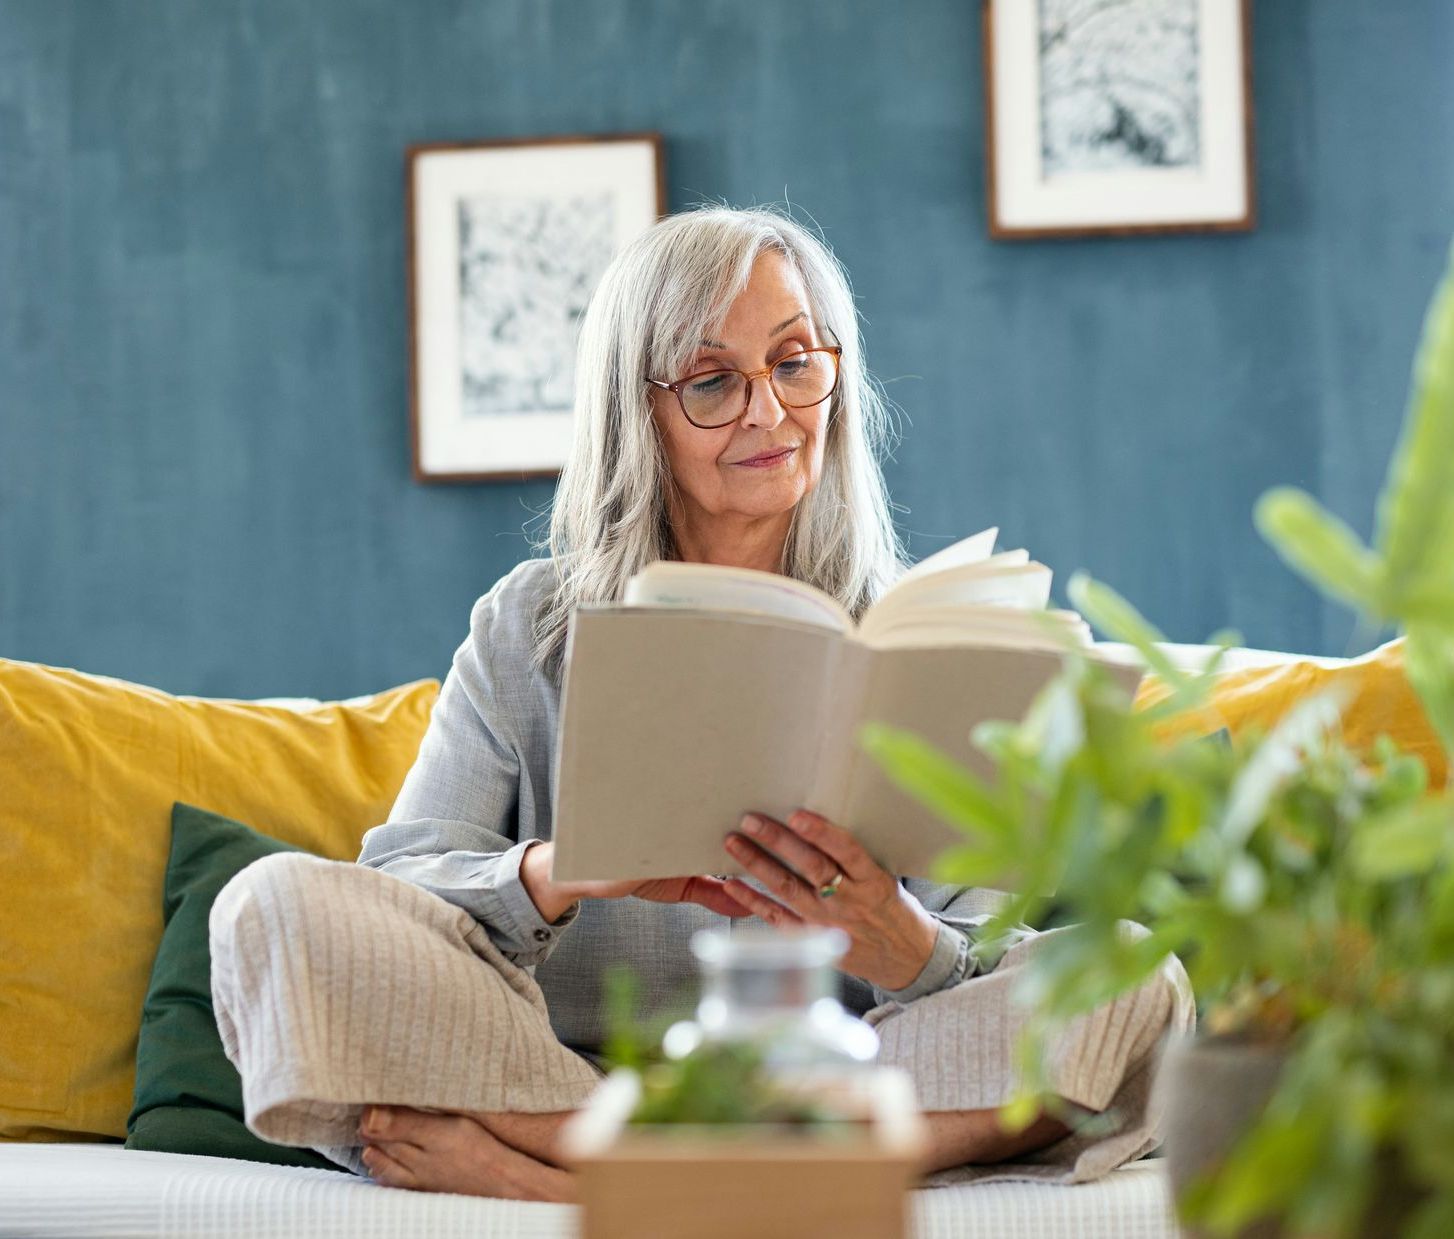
(762, 464)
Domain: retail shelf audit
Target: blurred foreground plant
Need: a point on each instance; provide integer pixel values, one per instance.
(1308, 889)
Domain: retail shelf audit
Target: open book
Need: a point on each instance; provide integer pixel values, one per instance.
(711, 692)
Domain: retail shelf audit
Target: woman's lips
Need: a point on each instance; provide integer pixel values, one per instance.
(767, 459)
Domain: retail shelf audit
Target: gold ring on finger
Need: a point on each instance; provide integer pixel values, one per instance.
(829, 889)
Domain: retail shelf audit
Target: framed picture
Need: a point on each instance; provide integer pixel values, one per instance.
(1121, 118)
(506, 242)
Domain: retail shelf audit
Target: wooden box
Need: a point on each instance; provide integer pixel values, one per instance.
(748, 1181)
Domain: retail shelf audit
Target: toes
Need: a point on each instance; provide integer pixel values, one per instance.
(373, 1123)
(410, 1156)
(395, 1123)
(386, 1169)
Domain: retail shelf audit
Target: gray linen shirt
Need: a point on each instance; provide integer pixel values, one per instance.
(481, 792)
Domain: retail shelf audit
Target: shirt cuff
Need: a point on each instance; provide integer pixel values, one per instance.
(523, 923)
(948, 964)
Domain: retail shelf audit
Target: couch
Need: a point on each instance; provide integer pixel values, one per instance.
(95, 1190)
(92, 763)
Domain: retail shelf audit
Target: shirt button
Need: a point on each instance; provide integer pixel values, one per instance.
(542, 935)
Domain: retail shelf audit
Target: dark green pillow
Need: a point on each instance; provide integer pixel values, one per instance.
(188, 1095)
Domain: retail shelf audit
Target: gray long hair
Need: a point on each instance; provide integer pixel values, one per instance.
(660, 295)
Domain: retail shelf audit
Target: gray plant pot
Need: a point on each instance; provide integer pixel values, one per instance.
(1215, 1090)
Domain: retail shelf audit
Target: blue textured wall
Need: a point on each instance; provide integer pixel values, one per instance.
(204, 459)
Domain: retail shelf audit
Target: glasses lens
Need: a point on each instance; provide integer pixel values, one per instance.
(713, 399)
(803, 379)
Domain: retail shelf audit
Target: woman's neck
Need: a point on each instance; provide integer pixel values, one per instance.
(746, 542)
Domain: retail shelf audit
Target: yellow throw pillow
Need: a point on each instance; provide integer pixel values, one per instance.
(1380, 700)
(89, 768)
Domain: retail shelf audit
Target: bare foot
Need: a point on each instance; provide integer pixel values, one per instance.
(537, 1135)
(453, 1153)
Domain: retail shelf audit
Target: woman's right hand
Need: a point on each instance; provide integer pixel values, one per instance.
(553, 899)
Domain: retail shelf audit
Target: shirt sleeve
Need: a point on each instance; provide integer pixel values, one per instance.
(959, 953)
(454, 827)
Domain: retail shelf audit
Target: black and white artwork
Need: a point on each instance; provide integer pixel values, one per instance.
(1119, 85)
(1117, 116)
(508, 241)
(527, 267)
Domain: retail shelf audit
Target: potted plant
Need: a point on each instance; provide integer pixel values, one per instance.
(761, 1116)
(1308, 888)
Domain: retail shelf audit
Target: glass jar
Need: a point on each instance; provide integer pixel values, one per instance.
(778, 992)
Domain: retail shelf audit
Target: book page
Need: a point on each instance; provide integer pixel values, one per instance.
(1022, 585)
(711, 587)
(985, 626)
(969, 550)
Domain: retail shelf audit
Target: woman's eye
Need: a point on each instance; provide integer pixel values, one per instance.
(790, 366)
(706, 386)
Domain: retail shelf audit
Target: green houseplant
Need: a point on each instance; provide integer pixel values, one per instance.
(1309, 889)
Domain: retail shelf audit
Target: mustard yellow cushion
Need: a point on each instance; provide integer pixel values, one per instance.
(1380, 700)
(89, 769)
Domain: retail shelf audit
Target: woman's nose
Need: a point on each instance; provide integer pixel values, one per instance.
(763, 407)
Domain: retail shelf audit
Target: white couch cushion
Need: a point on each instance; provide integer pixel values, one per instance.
(90, 1191)
(1188, 657)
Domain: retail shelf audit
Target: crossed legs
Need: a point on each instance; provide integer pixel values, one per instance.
(335, 981)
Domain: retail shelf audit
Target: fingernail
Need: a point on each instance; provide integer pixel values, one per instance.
(752, 824)
(732, 843)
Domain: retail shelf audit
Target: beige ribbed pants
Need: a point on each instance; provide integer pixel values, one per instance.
(337, 986)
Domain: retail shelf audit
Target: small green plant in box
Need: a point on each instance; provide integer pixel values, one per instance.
(741, 1121)
(717, 1082)
(1308, 888)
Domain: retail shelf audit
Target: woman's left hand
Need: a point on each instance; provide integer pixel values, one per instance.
(891, 935)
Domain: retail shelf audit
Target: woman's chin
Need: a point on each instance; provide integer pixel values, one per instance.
(768, 497)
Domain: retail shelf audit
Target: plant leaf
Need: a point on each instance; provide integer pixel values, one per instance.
(1319, 547)
(1408, 840)
(1277, 757)
(1416, 508)
(1120, 621)
(1429, 661)
(1244, 885)
(1430, 603)
(1433, 1219)
(936, 780)
(1055, 725)
(1223, 639)
(967, 864)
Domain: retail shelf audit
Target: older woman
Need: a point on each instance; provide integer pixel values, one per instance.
(430, 1016)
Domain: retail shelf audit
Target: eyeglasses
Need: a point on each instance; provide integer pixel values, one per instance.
(711, 399)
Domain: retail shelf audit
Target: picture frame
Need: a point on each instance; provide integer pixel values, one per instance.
(506, 240)
(1074, 149)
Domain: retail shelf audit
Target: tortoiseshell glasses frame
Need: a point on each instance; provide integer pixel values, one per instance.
(834, 351)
